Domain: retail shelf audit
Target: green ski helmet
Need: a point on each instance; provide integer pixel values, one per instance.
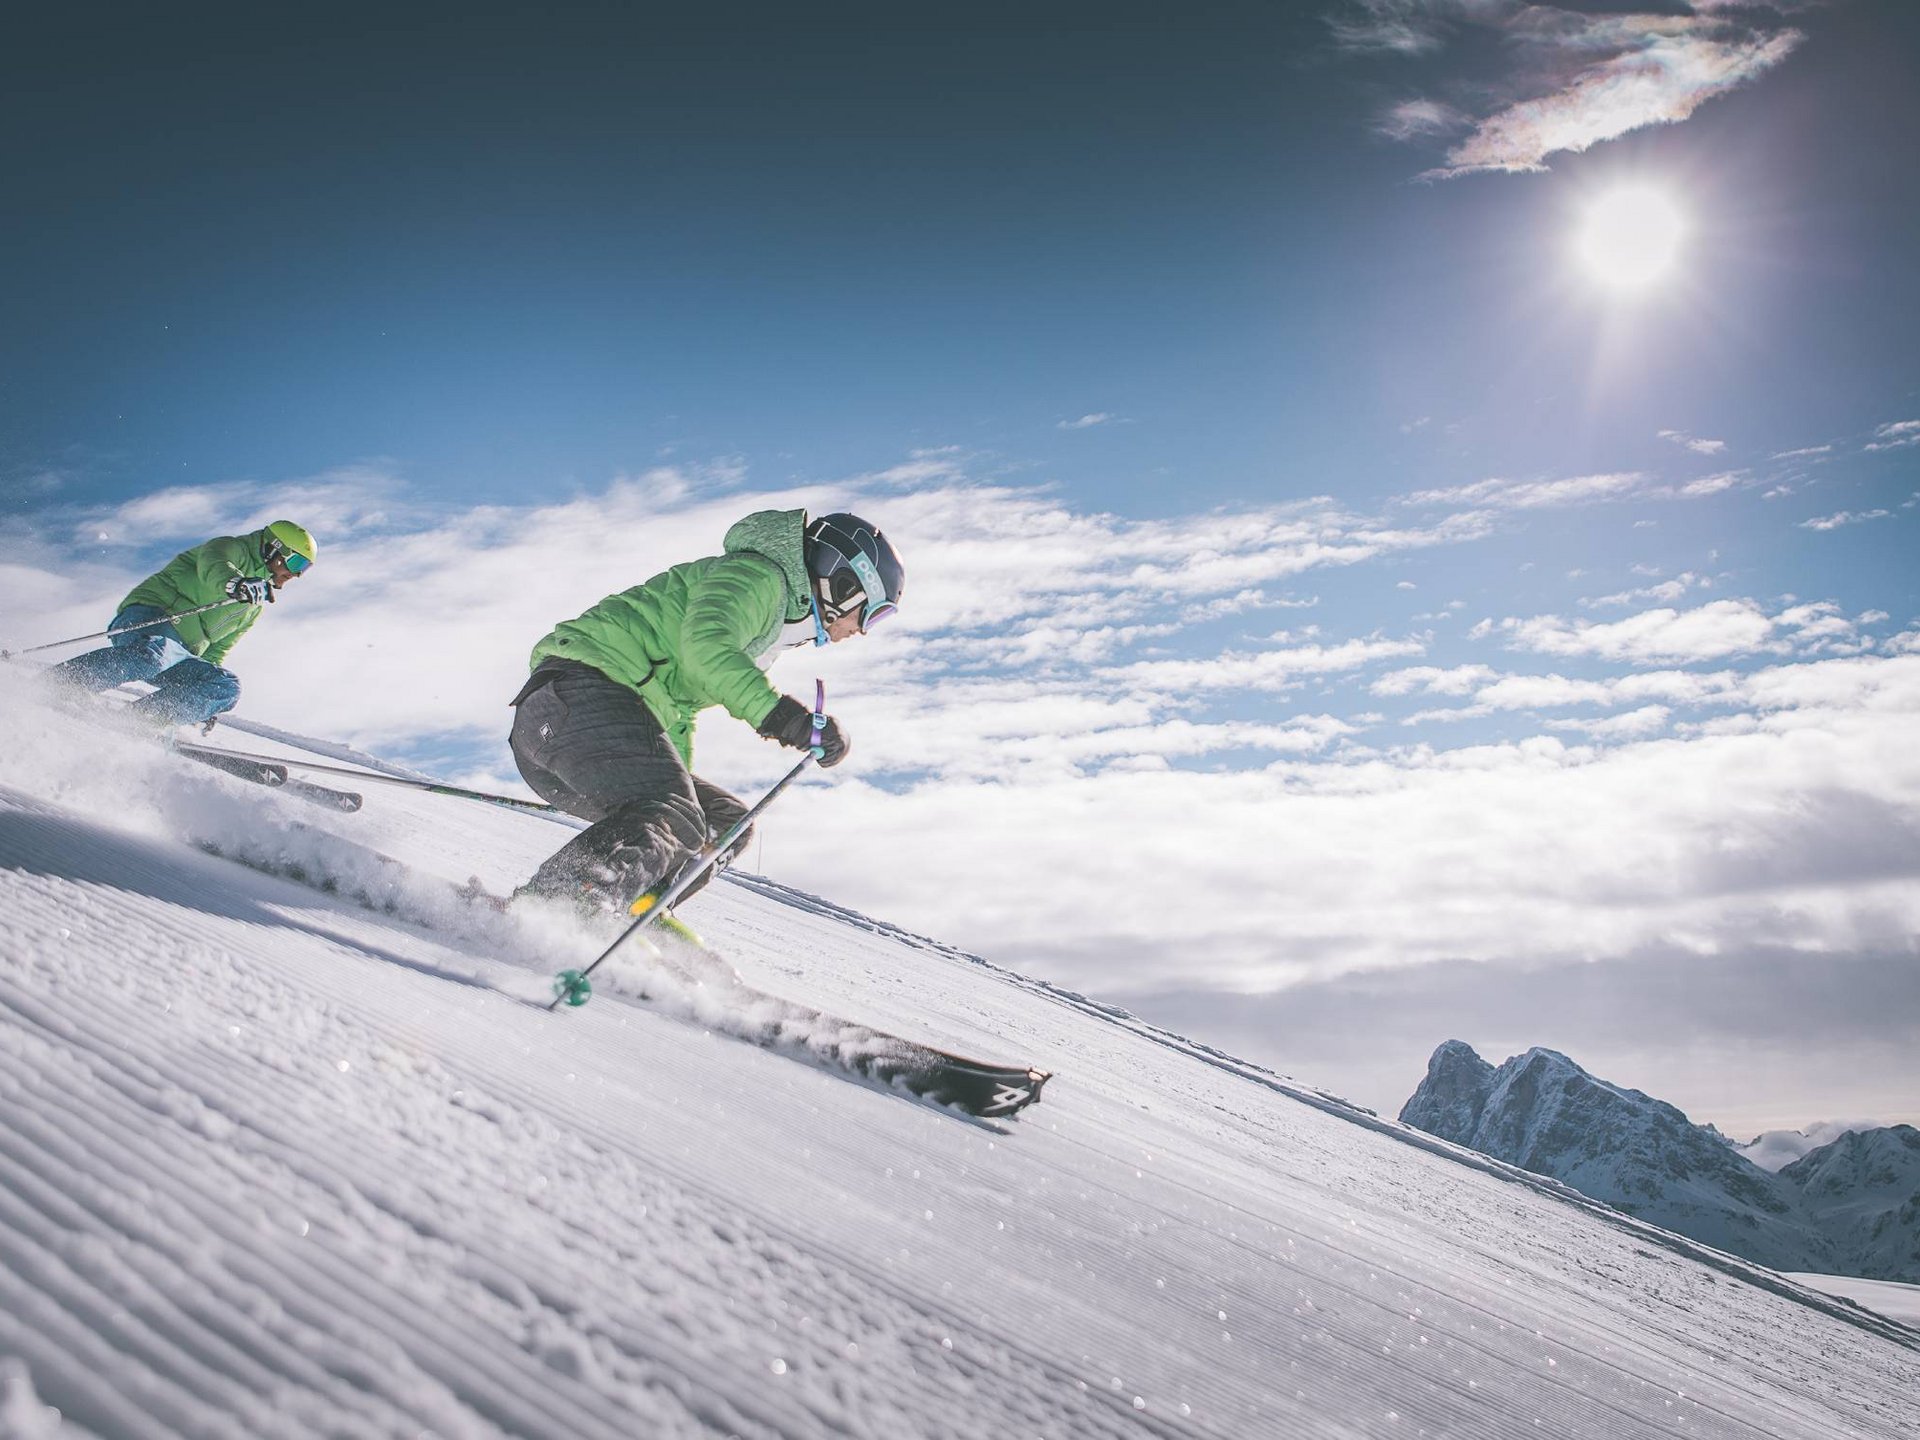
(295, 548)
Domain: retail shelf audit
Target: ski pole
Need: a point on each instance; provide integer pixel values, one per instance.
(121, 630)
(432, 787)
(572, 985)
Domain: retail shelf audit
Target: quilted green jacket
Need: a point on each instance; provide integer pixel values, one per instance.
(688, 638)
(199, 577)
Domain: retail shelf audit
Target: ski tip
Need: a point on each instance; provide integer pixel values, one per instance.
(988, 1093)
(680, 930)
(1010, 1097)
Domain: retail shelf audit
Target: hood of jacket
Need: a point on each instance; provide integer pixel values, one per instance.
(779, 536)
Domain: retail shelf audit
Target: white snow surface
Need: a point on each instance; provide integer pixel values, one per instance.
(1891, 1298)
(276, 1164)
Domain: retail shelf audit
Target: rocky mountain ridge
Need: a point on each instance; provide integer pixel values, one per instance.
(1850, 1207)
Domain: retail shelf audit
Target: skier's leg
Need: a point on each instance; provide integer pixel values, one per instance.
(191, 693)
(589, 746)
(722, 810)
(131, 655)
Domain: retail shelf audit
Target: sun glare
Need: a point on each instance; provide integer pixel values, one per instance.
(1630, 239)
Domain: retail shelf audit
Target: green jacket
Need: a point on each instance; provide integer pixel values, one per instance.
(199, 577)
(688, 638)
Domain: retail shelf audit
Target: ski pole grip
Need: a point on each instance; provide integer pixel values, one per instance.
(819, 719)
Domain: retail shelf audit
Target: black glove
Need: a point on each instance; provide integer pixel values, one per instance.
(254, 592)
(791, 723)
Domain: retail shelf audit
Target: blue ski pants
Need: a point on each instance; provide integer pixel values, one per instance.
(191, 691)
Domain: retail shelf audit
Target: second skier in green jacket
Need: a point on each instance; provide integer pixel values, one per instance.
(603, 728)
(176, 626)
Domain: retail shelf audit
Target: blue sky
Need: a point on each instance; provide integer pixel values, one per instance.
(1328, 599)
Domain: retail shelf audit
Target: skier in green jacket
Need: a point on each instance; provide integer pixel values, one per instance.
(228, 580)
(603, 729)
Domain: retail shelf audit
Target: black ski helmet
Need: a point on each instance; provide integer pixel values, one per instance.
(852, 563)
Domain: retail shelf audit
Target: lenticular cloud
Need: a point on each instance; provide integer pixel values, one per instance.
(1577, 79)
(1660, 84)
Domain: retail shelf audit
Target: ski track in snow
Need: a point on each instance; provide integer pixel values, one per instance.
(273, 1163)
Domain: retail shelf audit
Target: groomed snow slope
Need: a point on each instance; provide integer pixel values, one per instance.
(275, 1164)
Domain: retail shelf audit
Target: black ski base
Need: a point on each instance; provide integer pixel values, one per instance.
(275, 777)
(254, 771)
(345, 801)
(989, 1091)
(978, 1087)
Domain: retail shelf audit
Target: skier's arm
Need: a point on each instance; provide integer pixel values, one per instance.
(730, 607)
(216, 565)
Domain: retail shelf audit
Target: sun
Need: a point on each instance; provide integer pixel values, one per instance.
(1630, 239)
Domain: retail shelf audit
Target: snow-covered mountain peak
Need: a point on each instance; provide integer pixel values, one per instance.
(1851, 1206)
(1455, 1091)
(1881, 1160)
(1545, 1113)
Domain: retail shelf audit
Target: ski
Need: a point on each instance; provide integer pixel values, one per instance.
(271, 774)
(989, 1091)
(254, 769)
(345, 801)
(981, 1088)
(389, 887)
(255, 772)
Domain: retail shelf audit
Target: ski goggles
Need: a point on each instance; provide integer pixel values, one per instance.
(295, 562)
(851, 586)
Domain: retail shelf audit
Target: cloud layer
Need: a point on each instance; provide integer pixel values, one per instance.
(1571, 79)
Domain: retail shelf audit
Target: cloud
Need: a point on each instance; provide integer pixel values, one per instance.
(1005, 581)
(1713, 631)
(1501, 494)
(1806, 452)
(1633, 725)
(335, 505)
(1086, 422)
(1271, 670)
(1711, 484)
(1496, 693)
(1498, 494)
(1224, 605)
(1843, 517)
(1896, 436)
(1777, 1149)
(1432, 680)
(1572, 79)
(1398, 27)
(1660, 81)
(1327, 864)
(1678, 588)
(941, 465)
(1693, 443)
(1411, 120)
(1751, 1039)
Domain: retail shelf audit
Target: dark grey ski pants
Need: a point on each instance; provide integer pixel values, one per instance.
(589, 746)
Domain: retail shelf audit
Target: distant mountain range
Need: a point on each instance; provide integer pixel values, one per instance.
(1848, 1207)
(1777, 1149)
